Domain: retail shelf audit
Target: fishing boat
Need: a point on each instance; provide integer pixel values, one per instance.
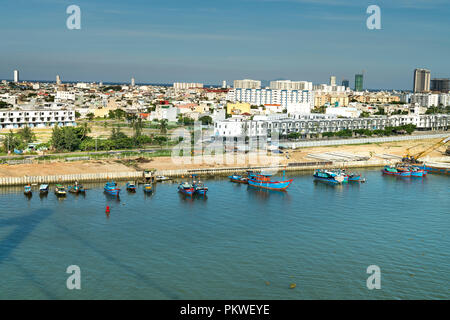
(43, 189)
(186, 188)
(417, 172)
(77, 188)
(200, 188)
(60, 191)
(263, 180)
(112, 189)
(148, 188)
(434, 168)
(131, 186)
(329, 176)
(238, 179)
(396, 171)
(27, 190)
(162, 178)
(353, 177)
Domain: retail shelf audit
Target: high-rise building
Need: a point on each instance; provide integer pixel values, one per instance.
(224, 84)
(290, 85)
(16, 76)
(441, 85)
(185, 85)
(421, 80)
(332, 80)
(132, 82)
(247, 84)
(346, 83)
(359, 82)
(58, 80)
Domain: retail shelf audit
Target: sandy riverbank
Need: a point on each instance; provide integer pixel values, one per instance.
(165, 163)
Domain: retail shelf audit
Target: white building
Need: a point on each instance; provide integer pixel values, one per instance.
(425, 99)
(16, 76)
(186, 85)
(290, 85)
(269, 96)
(346, 112)
(247, 84)
(65, 95)
(12, 119)
(58, 79)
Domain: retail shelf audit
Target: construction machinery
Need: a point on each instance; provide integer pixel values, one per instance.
(414, 158)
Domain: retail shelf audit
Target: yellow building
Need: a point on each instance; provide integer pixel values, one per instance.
(238, 108)
(331, 98)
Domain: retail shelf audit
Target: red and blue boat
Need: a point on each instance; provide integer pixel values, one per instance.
(396, 171)
(263, 180)
(112, 189)
(330, 176)
(418, 173)
(238, 179)
(186, 188)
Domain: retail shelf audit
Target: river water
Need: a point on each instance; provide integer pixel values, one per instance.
(238, 243)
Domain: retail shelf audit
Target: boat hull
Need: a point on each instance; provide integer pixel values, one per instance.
(434, 169)
(328, 180)
(270, 185)
(398, 174)
(354, 178)
(238, 179)
(418, 174)
(188, 192)
(112, 192)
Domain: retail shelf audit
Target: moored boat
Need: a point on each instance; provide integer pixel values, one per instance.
(396, 171)
(263, 180)
(162, 178)
(329, 176)
(238, 179)
(148, 188)
(77, 188)
(354, 177)
(27, 190)
(186, 188)
(200, 188)
(112, 189)
(131, 186)
(60, 191)
(43, 188)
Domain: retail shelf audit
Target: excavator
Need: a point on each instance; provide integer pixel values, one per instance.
(414, 158)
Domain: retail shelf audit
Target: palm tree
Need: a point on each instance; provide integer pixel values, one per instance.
(85, 129)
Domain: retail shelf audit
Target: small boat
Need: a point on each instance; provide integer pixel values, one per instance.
(354, 177)
(60, 191)
(148, 188)
(238, 179)
(27, 190)
(434, 168)
(396, 171)
(131, 186)
(417, 173)
(186, 188)
(111, 189)
(43, 188)
(263, 180)
(329, 176)
(162, 178)
(77, 188)
(200, 188)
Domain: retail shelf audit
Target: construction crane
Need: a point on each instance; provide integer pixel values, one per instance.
(415, 158)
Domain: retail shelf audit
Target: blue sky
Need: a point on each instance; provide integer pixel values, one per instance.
(209, 41)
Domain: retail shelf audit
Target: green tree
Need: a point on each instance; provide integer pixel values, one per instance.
(163, 126)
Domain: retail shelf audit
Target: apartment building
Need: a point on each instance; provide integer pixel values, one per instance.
(247, 84)
(290, 85)
(187, 85)
(14, 119)
(270, 96)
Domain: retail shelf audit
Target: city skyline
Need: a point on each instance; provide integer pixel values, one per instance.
(159, 43)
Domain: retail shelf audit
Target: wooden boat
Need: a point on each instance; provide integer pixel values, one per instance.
(238, 179)
(112, 189)
(396, 171)
(27, 190)
(131, 187)
(162, 178)
(200, 188)
(434, 168)
(77, 189)
(44, 188)
(417, 172)
(329, 176)
(186, 188)
(263, 180)
(60, 191)
(148, 187)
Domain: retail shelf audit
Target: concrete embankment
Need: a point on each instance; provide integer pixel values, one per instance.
(137, 175)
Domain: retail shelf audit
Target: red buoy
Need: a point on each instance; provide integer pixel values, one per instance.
(107, 211)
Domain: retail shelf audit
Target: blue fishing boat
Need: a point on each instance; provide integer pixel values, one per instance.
(112, 189)
(354, 177)
(27, 190)
(44, 188)
(60, 191)
(186, 188)
(148, 188)
(328, 176)
(263, 180)
(200, 188)
(77, 188)
(396, 171)
(417, 172)
(131, 187)
(238, 179)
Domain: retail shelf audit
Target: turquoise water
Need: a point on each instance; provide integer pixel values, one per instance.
(238, 243)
